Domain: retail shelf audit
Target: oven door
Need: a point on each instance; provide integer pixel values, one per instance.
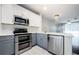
(22, 43)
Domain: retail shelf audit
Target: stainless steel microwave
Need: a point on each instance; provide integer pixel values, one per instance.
(21, 21)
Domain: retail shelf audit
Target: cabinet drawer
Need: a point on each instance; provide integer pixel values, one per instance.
(45, 41)
(6, 38)
(34, 39)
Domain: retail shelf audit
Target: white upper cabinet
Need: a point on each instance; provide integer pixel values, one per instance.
(25, 13)
(18, 11)
(9, 11)
(34, 19)
(7, 14)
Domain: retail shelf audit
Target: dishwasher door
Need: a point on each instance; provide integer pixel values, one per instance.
(55, 44)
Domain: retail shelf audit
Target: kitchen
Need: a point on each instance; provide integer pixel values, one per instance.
(24, 27)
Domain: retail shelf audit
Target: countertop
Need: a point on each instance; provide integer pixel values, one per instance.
(5, 34)
(54, 33)
(62, 34)
(50, 33)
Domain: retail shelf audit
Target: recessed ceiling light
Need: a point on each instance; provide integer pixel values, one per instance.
(45, 8)
(56, 16)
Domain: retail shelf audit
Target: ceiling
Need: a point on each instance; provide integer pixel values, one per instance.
(63, 11)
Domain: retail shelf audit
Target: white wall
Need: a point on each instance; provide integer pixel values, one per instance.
(48, 25)
(7, 29)
(33, 29)
(44, 24)
(0, 12)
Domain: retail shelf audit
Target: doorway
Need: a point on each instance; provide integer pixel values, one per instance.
(73, 28)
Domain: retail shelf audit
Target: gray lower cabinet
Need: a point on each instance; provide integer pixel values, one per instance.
(42, 40)
(39, 39)
(7, 45)
(45, 41)
(33, 39)
(56, 44)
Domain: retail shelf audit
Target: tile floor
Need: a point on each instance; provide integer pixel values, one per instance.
(36, 50)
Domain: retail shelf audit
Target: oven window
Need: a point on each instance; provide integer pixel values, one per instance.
(24, 38)
(24, 45)
(24, 41)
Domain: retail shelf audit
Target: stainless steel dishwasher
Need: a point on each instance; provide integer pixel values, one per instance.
(56, 44)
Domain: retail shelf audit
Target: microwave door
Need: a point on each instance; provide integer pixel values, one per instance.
(19, 20)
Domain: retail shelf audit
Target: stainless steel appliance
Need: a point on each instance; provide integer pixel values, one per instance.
(21, 21)
(56, 44)
(22, 40)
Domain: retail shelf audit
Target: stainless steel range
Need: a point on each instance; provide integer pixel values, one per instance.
(22, 40)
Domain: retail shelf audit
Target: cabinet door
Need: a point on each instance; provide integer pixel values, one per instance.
(39, 39)
(35, 19)
(26, 13)
(33, 39)
(7, 14)
(6, 45)
(19, 11)
(45, 41)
